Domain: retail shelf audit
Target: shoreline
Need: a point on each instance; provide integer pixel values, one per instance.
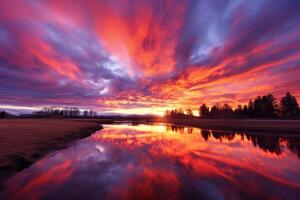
(25, 141)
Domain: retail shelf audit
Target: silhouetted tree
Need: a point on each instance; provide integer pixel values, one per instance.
(250, 109)
(219, 111)
(214, 111)
(58, 112)
(226, 111)
(270, 105)
(264, 106)
(257, 107)
(239, 110)
(180, 112)
(261, 107)
(86, 113)
(204, 111)
(288, 106)
(189, 113)
(176, 113)
(245, 111)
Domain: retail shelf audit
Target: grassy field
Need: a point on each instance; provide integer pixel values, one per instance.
(278, 126)
(23, 141)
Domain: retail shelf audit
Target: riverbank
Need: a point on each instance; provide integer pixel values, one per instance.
(278, 126)
(24, 141)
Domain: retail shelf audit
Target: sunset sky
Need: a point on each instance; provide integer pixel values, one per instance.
(140, 57)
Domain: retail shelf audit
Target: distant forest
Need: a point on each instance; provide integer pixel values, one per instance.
(261, 107)
(64, 112)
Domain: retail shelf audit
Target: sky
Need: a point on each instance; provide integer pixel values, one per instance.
(143, 57)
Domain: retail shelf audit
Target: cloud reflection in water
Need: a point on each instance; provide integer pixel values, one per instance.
(165, 162)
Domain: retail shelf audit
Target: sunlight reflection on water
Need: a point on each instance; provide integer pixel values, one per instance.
(165, 162)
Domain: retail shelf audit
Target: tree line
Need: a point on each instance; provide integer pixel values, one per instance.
(261, 107)
(70, 112)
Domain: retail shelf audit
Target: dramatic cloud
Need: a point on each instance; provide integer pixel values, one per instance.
(128, 56)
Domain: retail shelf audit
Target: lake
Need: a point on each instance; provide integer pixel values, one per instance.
(165, 162)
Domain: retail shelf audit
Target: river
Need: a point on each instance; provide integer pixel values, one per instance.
(165, 162)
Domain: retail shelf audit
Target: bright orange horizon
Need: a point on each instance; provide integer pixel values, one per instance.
(144, 57)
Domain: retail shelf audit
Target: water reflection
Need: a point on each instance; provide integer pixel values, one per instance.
(165, 162)
(271, 143)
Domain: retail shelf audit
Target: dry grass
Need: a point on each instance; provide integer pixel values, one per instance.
(23, 141)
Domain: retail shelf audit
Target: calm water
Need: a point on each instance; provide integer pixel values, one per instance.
(164, 162)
